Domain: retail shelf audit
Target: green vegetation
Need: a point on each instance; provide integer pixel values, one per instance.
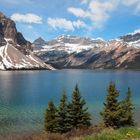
(67, 116)
(63, 124)
(50, 118)
(117, 113)
(72, 120)
(125, 133)
(126, 106)
(111, 110)
(78, 115)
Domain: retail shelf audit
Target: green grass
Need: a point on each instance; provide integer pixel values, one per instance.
(126, 133)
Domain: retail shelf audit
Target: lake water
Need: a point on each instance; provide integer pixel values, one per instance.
(24, 94)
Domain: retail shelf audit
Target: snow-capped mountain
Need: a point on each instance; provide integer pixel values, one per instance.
(15, 50)
(132, 39)
(79, 52)
(71, 44)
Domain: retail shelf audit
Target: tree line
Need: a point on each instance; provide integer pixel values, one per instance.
(74, 114)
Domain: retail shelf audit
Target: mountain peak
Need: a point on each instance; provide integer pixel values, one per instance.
(2, 15)
(131, 37)
(39, 42)
(15, 50)
(8, 30)
(134, 32)
(40, 39)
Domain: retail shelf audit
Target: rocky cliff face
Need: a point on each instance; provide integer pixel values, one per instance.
(8, 30)
(15, 50)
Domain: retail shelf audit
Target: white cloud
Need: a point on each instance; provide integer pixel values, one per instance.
(134, 3)
(78, 12)
(27, 18)
(60, 23)
(63, 23)
(100, 11)
(79, 24)
(123, 2)
(129, 2)
(137, 31)
(97, 11)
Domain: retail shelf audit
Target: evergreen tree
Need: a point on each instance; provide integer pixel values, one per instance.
(50, 117)
(111, 110)
(78, 115)
(126, 106)
(62, 117)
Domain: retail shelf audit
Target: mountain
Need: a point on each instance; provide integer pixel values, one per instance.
(79, 52)
(15, 51)
(71, 44)
(132, 39)
(38, 43)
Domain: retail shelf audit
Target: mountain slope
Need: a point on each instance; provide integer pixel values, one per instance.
(12, 58)
(132, 39)
(78, 52)
(15, 50)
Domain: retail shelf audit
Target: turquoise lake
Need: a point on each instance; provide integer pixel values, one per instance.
(24, 94)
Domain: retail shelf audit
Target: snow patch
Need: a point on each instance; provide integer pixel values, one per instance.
(12, 58)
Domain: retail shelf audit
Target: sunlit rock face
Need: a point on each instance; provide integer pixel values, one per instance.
(15, 50)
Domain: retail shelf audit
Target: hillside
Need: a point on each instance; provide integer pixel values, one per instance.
(15, 51)
(69, 51)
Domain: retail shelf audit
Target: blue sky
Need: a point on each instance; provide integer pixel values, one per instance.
(91, 18)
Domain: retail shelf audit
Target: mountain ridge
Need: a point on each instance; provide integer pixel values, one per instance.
(66, 51)
(80, 52)
(15, 51)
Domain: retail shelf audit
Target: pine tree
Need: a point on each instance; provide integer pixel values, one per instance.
(126, 106)
(78, 115)
(62, 117)
(111, 110)
(50, 117)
